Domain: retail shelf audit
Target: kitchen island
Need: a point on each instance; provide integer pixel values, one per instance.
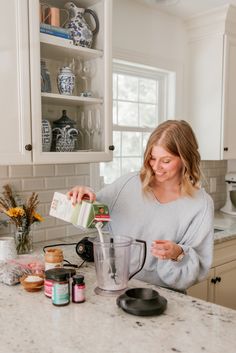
(30, 323)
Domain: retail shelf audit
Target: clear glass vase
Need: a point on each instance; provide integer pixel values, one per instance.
(24, 240)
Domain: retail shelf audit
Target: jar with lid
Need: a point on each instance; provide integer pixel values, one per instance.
(53, 258)
(64, 134)
(66, 81)
(78, 289)
(50, 276)
(61, 289)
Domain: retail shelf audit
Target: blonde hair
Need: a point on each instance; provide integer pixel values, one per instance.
(178, 138)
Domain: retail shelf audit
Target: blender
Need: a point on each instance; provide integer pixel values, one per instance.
(112, 262)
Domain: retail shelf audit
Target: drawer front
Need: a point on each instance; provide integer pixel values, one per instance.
(224, 252)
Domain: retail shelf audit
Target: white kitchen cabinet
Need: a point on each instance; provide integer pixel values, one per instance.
(14, 88)
(56, 52)
(24, 106)
(212, 83)
(203, 289)
(219, 287)
(225, 287)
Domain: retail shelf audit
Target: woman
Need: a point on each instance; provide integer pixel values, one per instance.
(164, 205)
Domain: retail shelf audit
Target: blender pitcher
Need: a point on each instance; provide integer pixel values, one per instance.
(112, 262)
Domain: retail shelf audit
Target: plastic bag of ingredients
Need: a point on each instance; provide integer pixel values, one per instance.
(12, 270)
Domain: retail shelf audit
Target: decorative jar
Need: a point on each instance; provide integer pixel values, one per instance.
(66, 81)
(46, 135)
(64, 134)
(45, 78)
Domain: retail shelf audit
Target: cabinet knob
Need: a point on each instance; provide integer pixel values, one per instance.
(28, 147)
(226, 149)
(111, 148)
(214, 280)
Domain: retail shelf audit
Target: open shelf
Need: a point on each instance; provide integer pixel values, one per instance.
(55, 98)
(57, 48)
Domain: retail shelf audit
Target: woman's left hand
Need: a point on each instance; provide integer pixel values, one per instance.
(165, 249)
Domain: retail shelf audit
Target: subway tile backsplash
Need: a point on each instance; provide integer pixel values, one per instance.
(215, 170)
(45, 179)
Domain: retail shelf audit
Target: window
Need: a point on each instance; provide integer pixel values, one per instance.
(139, 105)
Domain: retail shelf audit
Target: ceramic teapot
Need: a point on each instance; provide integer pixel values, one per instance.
(80, 31)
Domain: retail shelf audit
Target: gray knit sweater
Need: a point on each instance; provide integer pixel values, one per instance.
(187, 221)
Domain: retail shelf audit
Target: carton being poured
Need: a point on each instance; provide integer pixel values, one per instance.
(85, 215)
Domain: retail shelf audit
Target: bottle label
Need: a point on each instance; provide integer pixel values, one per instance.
(48, 287)
(50, 265)
(78, 293)
(60, 293)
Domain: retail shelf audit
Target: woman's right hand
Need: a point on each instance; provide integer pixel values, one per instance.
(77, 193)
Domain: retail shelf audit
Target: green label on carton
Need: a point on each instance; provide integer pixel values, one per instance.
(99, 213)
(86, 214)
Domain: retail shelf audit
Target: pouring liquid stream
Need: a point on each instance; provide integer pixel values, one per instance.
(111, 255)
(99, 225)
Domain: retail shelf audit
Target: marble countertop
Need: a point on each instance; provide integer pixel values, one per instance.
(30, 323)
(226, 227)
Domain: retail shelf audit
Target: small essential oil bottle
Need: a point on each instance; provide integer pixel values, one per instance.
(78, 289)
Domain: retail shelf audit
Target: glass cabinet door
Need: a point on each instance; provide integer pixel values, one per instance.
(71, 81)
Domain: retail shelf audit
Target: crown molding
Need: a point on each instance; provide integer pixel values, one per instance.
(219, 21)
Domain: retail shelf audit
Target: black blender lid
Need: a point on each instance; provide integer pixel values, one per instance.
(142, 302)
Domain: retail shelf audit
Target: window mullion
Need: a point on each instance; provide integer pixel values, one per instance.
(131, 128)
(127, 76)
(138, 102)
(162, 108)
(121, 149)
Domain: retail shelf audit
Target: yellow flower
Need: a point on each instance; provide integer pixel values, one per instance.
(15, 212)
(38, 217)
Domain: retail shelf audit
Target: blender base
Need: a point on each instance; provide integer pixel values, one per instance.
(108, 293)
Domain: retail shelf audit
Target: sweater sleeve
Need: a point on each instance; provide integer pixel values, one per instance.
(197, 244)
(109, 194)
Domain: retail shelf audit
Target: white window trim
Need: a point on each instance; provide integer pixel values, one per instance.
(167, 82)
(167, 108)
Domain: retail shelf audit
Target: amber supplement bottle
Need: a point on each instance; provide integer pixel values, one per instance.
(78, 289)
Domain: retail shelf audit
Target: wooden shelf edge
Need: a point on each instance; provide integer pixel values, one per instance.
(61, 43)
(55, 97)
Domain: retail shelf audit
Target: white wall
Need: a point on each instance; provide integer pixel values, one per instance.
(151, 37)
(231, 166)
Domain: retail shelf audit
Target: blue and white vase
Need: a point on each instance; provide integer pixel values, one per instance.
(45, 78)
(46, 135)
(80, 31)
(66, 81)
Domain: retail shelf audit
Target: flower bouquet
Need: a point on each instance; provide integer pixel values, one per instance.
(22, 215)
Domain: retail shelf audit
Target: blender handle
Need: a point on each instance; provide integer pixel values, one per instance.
(144, 257)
